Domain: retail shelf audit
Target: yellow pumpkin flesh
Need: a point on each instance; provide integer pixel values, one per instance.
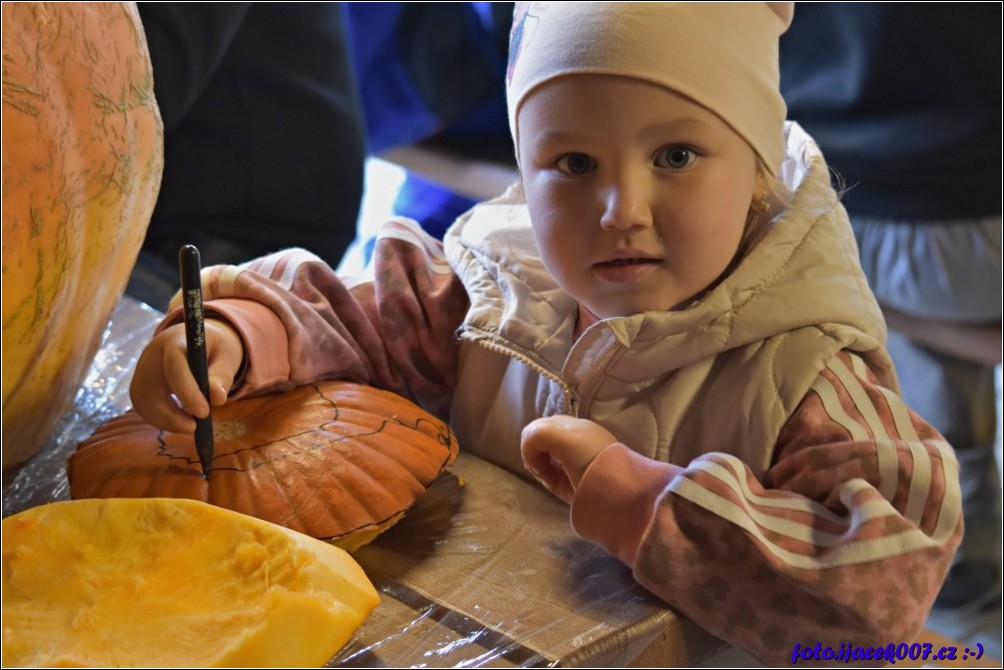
(82, 162)
(172, 583)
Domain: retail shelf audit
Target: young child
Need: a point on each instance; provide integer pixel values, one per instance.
(665, 323)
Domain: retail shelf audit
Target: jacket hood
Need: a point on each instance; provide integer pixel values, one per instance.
(803, 272)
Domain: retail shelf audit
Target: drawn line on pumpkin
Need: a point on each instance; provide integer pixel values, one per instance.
(162, 450)
(444, 439)
(444, 436)
(375, 525)
(443, 433)
(351, 410)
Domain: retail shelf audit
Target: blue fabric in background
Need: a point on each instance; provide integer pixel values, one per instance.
(430, 70)
(394, 109)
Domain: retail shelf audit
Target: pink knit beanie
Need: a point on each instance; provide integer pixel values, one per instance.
(723, 56)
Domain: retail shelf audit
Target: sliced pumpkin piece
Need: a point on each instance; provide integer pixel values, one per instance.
(335, 460)
(172, 583)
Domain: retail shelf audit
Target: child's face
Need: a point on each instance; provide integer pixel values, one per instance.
(638, 196)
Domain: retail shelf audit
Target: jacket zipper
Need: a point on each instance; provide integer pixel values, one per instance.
(571, 398)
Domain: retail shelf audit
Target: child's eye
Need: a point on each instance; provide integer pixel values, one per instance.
(675, 157)
(576, 164)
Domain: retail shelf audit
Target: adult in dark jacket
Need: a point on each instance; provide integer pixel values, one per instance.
(264, 137)
(904, 100)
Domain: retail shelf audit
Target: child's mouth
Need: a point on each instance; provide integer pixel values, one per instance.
(618, 262)
(625, 269)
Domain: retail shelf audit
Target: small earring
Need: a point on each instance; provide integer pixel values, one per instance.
(761, 206)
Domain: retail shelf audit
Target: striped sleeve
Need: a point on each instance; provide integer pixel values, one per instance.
(847, 538)
(394, 329)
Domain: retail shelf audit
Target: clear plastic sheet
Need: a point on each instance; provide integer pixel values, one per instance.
(103, 395)
(483, 571)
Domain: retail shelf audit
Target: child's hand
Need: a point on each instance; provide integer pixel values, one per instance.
(558, 449)
(162, 370)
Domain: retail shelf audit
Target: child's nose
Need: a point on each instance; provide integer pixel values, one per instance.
(626, 205)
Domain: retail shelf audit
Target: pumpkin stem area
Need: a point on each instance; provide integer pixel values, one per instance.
(228, 430)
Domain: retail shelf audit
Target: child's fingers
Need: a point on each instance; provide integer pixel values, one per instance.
(153, 401)
(538, 463)
(164, 413)
(565, 445)
(219, 390)
(225, 353)
(539, 460)
(163, 374)
(181, 382)
(549, 473)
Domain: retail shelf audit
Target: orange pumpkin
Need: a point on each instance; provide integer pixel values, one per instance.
(82, 162)
(333, 460)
